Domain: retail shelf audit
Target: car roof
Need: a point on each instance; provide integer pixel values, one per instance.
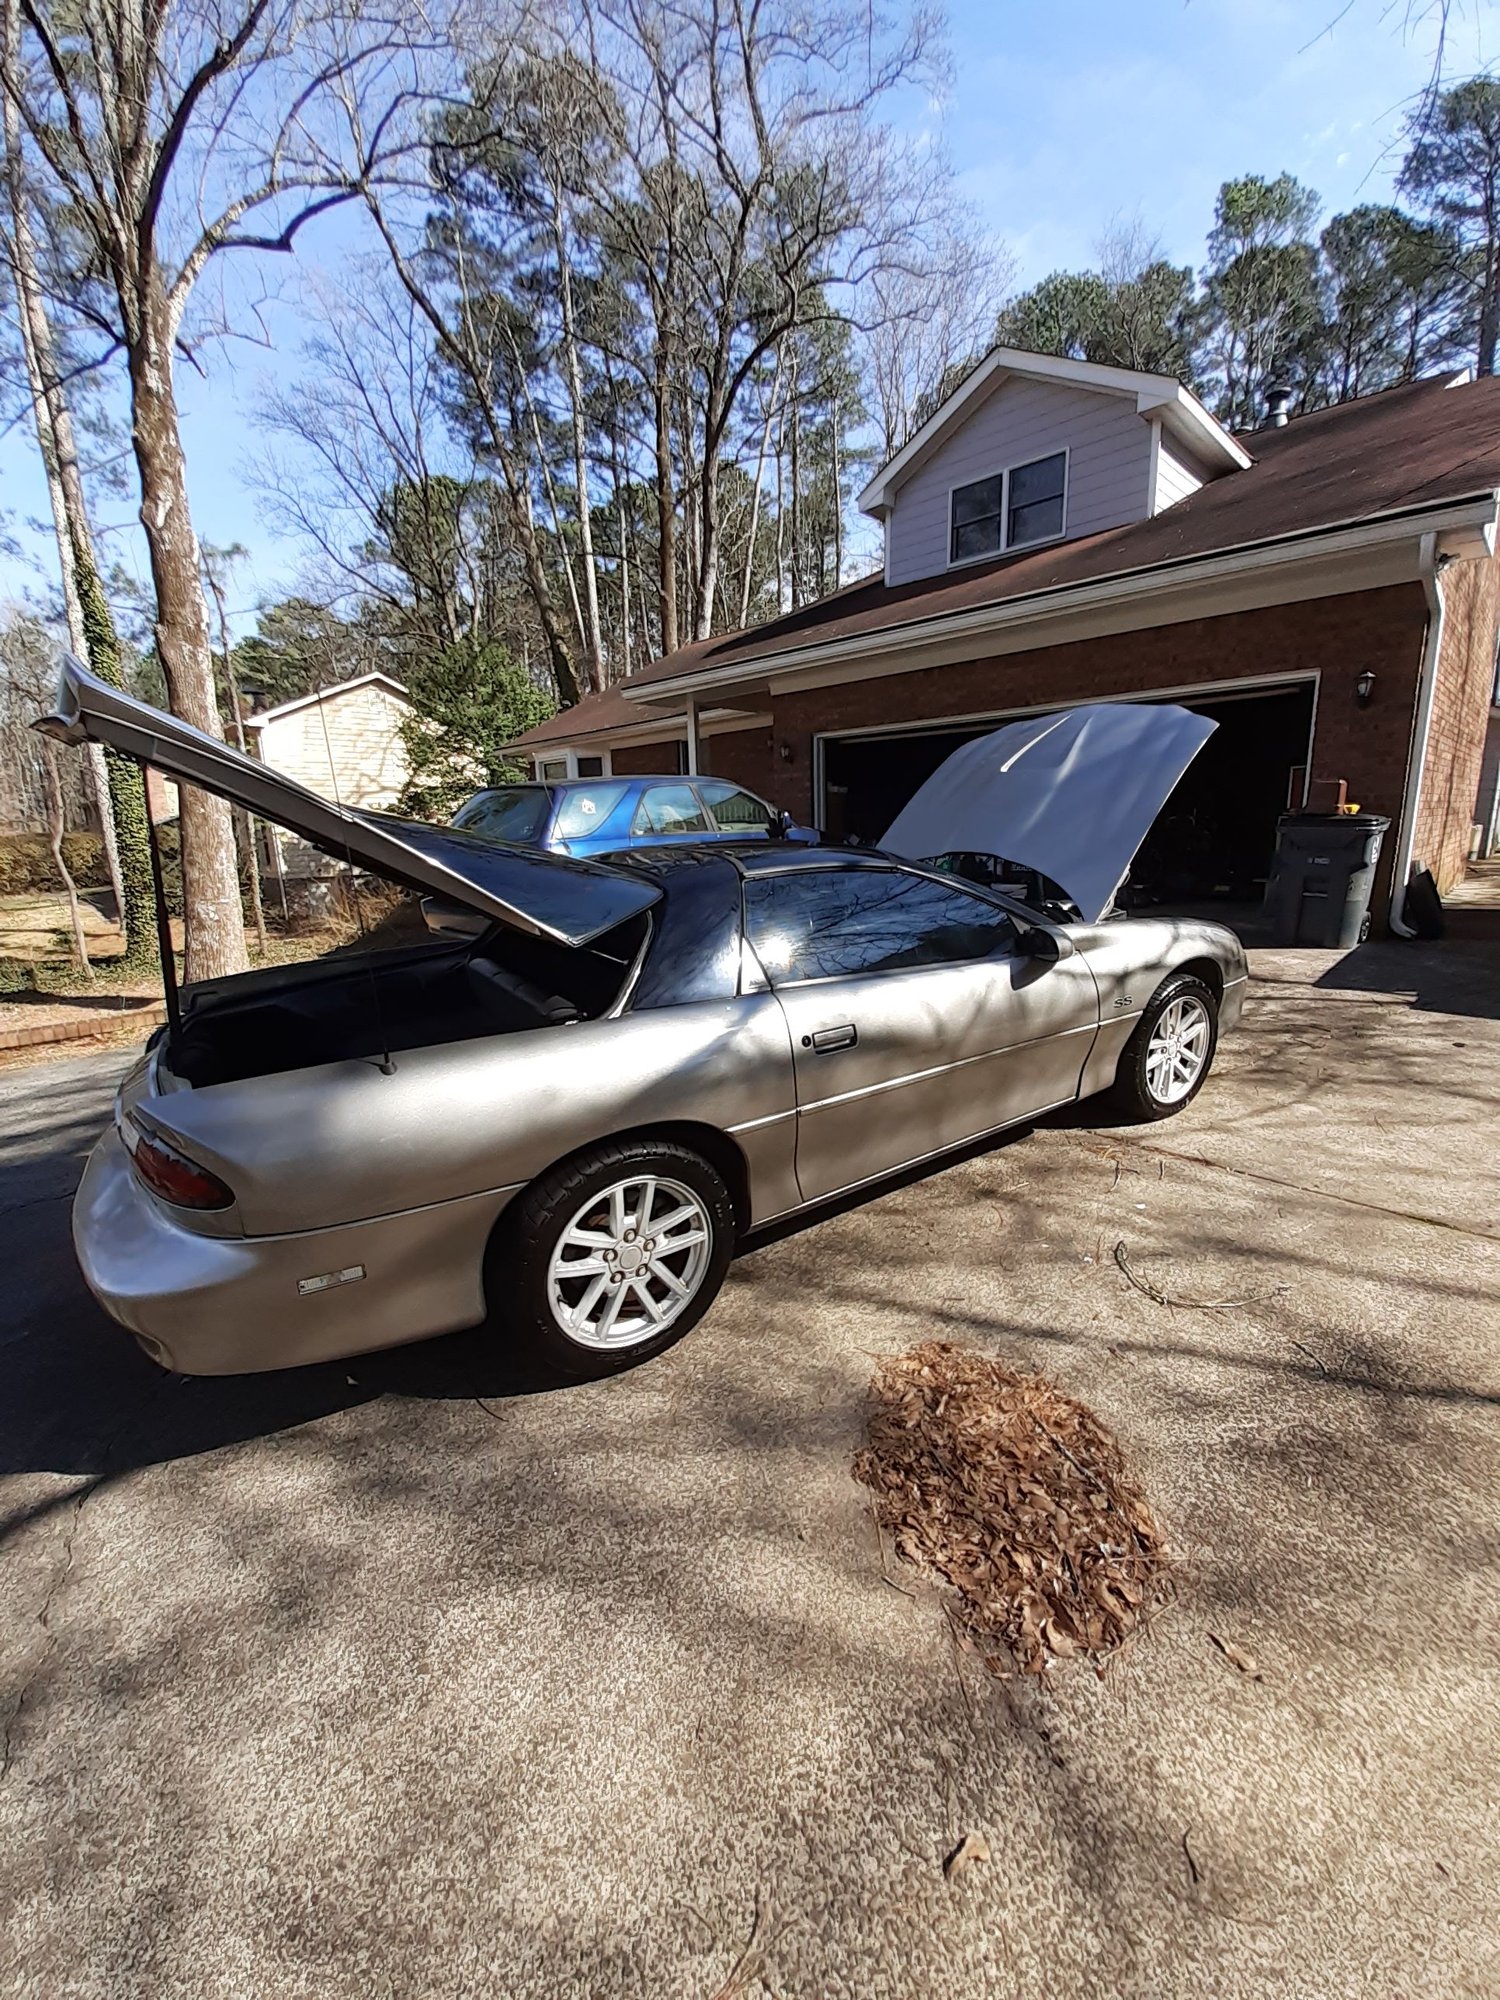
(749, 857)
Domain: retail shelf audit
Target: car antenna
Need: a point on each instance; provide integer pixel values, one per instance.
(386, 1066)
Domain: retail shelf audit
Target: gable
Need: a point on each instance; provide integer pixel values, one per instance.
(1109, 452)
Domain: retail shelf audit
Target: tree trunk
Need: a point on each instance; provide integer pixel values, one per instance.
(243, 824)
(1489, 312)
(593, 636)
(708, 559)
(213, 927)
(796, 477)
(55, 841)
(838, 500)
(666, 512)
(760, 469)
(127, 784)
(116, 781)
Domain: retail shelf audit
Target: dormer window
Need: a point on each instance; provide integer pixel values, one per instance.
(1014, 509)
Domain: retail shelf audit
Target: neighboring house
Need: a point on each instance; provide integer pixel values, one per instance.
(1057, 532)
(345, 743)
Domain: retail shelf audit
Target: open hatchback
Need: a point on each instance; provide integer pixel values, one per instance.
(557, 933)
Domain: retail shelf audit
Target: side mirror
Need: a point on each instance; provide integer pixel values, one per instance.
(1046, 947)
(782, 829)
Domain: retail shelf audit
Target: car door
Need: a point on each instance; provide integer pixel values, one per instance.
(669, 813)
(736, 814)
(917, 1019)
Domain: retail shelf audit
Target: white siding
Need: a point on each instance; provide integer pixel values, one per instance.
(1109, 466)
(361, 761)
(1176, 477)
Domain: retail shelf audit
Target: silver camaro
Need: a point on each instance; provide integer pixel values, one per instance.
(561, 1105)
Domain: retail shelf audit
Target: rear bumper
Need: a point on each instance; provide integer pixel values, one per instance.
(232, 1305)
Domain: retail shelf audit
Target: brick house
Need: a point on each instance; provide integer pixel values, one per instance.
(1058, 532)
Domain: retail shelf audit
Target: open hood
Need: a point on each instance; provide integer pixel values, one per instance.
(1071, 795)
(549, 895)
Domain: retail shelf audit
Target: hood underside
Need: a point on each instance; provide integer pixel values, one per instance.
(1071, 795)
(548, 895)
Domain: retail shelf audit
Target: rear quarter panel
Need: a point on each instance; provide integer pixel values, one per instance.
(343, 1142)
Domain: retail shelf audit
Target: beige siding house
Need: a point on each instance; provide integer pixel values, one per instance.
(344, 742)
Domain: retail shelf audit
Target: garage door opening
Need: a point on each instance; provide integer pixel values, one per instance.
(1214, 839)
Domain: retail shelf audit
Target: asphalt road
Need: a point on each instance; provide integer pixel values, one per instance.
(397, 1679)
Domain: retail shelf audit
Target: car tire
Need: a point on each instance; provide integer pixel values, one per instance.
(1163, 1065)
(595, 1207)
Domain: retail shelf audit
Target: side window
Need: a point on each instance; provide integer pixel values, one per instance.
(1035, 507)
(670, 809)
(732, 810)
(585, 808)
(832, 923)
(975, 527)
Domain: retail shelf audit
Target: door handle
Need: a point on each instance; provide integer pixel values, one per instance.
(825, 1040)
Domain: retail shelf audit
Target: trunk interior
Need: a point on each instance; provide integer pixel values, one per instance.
(365, 1005)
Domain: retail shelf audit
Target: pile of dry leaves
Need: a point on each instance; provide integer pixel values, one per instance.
(1020, 1499)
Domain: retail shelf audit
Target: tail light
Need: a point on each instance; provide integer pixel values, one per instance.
(173, 1175)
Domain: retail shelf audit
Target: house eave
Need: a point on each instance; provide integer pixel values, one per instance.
(1335, 558)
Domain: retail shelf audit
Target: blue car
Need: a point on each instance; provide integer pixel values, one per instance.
(602, 815)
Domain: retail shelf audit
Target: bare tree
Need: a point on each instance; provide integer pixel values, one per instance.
(924, 318)
(118, 792)
(150, 117)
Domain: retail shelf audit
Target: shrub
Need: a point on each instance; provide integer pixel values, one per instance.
(26, 863)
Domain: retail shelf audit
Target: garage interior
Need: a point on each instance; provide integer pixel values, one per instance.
(1214, 839)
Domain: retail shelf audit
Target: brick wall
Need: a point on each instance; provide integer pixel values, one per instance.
(1340, 636)
(634, 760)
(1460, 716)
(744, 757)
(741, 755)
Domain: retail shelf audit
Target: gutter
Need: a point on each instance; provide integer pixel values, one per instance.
(1432, 566)
(1474, 513)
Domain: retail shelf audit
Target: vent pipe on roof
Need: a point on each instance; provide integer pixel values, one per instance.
(1278, 400)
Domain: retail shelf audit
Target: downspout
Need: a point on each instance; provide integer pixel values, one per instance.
(1432, 566)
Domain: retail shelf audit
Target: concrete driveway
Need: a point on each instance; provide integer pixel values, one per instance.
(398, 1680)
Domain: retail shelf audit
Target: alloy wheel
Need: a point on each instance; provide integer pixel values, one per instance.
(1178, 1049)
(630, 1262)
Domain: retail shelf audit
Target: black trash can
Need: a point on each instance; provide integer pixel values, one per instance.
(1322, 876)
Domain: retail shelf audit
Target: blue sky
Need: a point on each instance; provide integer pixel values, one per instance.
(1061, 120)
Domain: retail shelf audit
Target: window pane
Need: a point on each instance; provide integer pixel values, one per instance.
(831, 923)
(557, 768)
(979, 502)
(591, 767)
(1036, 500)
(976, 520)
(735, 811)
(585, 808)
(670, 809)
(509, 812)
(980, 538)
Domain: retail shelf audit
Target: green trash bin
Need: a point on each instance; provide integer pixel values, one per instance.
(1322, 878)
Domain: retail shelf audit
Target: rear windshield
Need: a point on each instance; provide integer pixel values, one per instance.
(509, 812)
(585, 808)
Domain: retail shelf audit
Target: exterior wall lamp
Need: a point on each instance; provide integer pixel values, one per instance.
(1364, 687)
(784, 751)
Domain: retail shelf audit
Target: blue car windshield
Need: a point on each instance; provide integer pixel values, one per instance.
(585, 808)
(509, 812)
